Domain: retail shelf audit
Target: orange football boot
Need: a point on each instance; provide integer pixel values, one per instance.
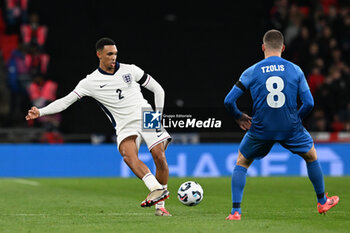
(235, 216)
(331, 202)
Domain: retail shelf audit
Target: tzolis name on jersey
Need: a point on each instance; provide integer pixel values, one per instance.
(271, 68)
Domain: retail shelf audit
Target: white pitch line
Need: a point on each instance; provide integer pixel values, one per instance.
(28, 215)
(28, 182)
(71, 214)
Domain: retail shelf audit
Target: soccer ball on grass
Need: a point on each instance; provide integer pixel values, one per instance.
(190, 193)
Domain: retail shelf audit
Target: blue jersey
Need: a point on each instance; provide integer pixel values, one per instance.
(274, 84)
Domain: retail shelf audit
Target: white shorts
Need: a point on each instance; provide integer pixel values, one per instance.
(151, 137)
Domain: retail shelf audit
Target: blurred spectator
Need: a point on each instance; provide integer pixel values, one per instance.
(337, 125)
(18, 71)
(323, 42)
(314, 51)
(36, 61)
(336, 59)
(319, 122)
(338, 86)
(16, 14)
(326, 4)
(344, 115)
(335, 21)
(18, 80)
(4, 93)
(42, 92)
(294, 24)
(333, 43)
(279, 14)
(299, 47)
(312, 55)
(344, 39)
(34, 33)
(321, 47)
(315, 79)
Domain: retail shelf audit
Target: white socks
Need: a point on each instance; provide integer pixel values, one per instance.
(151, 182)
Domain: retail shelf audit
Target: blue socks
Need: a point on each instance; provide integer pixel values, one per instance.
(237, 186)
(316, 177)
(239, 179)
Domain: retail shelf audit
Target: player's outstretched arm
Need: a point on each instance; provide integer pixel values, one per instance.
(54, 107)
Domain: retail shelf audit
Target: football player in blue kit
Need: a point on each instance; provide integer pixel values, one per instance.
(274, 84)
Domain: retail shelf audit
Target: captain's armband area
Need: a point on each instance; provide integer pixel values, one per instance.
(144, 79)
(240, 86)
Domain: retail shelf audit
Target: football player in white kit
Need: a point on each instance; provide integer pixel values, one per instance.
(116, 87)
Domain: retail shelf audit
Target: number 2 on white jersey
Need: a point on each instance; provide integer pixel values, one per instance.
(119, 92)
(275, 85)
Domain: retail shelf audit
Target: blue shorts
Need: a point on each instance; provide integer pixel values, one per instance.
(254, 148)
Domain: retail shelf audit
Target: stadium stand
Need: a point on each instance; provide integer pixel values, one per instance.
(318, 40)
(200, 43)
(25, 63)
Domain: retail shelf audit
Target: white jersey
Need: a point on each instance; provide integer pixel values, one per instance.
(118, 94)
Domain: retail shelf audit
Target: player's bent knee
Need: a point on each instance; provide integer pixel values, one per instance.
(309, 156)
(128, 146)
(129, 157)
(242, 161)
(128, 160)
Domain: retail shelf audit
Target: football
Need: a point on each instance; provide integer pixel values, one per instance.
(190, 193)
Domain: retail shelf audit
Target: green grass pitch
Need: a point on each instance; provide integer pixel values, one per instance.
(275, 204)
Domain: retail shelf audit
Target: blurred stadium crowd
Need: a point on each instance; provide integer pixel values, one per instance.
(23, 66)
(317, 38)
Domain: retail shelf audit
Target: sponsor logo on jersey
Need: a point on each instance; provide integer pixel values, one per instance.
(127, 78)
(151, 120)
(101, 86)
